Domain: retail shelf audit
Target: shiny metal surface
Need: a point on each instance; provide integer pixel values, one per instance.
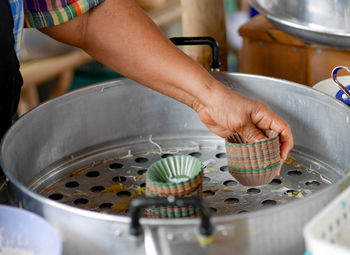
(73, 128)
(107, 184)
(337, 82)
(324, 22)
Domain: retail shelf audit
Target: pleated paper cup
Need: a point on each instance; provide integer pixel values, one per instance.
(197, 193)
(178, 176)
(178, 190)
(254, 164)
(172, 212)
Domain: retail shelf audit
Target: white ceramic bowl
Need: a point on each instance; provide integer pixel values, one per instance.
(329, 87)
(23, 232)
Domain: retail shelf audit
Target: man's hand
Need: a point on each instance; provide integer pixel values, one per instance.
(228, 112)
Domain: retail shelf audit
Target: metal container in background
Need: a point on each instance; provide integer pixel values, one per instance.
(324, 22)
(97, 120)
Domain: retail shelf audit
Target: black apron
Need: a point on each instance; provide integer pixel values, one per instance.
(10, 77)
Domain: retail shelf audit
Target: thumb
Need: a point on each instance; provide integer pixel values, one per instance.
(279, 170)
(252, 134)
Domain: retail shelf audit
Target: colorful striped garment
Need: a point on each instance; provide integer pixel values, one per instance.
(17, 14)
(45, 13)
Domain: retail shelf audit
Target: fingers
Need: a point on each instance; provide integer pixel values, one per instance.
(279, 170)
(286, 136)
(251, 133)
(287, 142)
(267, 119)
(220, 131)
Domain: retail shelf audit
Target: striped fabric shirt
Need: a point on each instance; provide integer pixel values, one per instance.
(46, 13)
(17, 14)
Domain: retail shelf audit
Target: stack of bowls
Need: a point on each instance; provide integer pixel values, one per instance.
(254, 164)
(177, 176)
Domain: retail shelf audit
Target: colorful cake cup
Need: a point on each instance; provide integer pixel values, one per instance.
(178, 190)
(178, 176)
(172, 212)
(197, 193)
(254, 164)
(174, 174)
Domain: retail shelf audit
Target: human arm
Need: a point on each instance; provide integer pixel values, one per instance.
(120, 35)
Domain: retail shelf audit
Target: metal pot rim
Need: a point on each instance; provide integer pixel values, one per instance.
(165, 222)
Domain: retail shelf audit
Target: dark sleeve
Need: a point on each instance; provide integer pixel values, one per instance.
(10, 77)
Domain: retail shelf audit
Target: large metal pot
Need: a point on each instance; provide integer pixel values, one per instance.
(92, 120)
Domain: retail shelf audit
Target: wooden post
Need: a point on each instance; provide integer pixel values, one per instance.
(205, 18)
(62, 84)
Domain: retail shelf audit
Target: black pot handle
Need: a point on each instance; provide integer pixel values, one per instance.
(202, 40)
(205, 228)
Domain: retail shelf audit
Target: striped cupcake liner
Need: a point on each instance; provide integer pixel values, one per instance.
(196, 192)
(271, 164)
(177, 190)
(174, 211)
(256, 178)
(253, 164)
(193, 188)
(178, 176)
(236, 140)
(174, 172)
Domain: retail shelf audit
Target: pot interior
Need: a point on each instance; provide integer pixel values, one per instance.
(91, 148)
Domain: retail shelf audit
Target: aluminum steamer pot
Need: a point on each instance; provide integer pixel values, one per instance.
(97, 120)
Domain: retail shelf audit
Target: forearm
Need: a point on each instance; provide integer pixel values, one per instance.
(120, 35)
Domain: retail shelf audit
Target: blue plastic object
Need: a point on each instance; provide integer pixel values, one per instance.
(342, 97)
(253, 12)
(28, 232)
